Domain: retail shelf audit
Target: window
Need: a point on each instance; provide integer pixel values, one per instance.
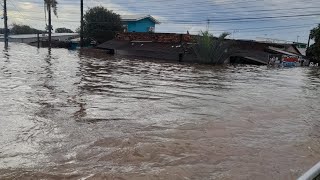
(151, 29)
(125, 28)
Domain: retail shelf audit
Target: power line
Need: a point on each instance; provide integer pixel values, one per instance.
(205, 4)
(246, 11)
(15, 6)
(259, 18)
(192, 13)
(175, 6)
(217, 18)
(249, 30)
(229, 20)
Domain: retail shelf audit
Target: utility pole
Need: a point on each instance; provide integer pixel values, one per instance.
(234, 32)
(50, 26)
(38, 40)
(208, 24)
(81, 26)
(309, 40)
(5, 17)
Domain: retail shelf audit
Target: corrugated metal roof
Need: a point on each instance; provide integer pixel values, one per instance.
(303, 51)
(282, 51)
(138, 18)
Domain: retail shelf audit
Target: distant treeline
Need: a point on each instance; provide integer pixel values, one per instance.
(25, 29)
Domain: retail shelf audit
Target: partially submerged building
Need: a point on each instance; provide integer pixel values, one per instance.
(166, 46)
(179, 47)
(254, 52)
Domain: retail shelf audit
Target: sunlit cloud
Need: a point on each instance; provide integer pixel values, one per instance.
(26, 6)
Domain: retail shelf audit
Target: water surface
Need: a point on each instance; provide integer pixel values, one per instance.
(86, 115)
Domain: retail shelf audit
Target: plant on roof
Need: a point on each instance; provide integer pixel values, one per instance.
(210, 49)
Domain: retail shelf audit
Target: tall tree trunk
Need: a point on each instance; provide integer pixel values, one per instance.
(49, 19)
(81, 26)
(6, 31)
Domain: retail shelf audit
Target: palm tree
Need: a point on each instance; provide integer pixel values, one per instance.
(50, 4)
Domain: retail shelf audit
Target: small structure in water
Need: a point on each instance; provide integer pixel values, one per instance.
(314, 64)
(283, 58)
(32, 38)
(75, 43)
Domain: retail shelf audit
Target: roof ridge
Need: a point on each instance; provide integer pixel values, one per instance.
(137, 17)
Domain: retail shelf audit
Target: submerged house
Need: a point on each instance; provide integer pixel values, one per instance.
(180, 47)
(255, 52)
(139, 23)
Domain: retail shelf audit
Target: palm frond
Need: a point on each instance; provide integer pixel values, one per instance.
(53, 5)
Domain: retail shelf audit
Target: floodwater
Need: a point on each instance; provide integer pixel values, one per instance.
(85, 115)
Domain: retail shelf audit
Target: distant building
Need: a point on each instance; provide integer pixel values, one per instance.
(138, 23)
(302, 47)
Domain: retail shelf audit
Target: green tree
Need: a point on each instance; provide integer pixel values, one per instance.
(23, 29)
(63, 30)
(210, 49)
(101, 24)
(313, 51)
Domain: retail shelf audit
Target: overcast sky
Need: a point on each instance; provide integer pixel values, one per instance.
(190, 15)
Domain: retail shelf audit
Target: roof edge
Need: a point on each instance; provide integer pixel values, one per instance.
(143, 17)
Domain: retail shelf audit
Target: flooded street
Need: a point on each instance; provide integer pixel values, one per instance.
(86, 115)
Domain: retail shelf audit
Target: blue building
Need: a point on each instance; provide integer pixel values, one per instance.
(138, 23)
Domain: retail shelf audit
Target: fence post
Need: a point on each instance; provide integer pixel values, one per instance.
(38, 40)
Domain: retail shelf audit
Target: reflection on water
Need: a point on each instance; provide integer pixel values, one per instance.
(69, 114)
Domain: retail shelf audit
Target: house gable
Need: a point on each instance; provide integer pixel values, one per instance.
(130, 18)
(142, 25)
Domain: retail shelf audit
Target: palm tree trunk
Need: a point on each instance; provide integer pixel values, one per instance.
(81, 26)
(49, 19)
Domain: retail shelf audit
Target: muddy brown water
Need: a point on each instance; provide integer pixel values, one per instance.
(85, 115)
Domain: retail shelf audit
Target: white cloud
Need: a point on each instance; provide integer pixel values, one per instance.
(26, 5)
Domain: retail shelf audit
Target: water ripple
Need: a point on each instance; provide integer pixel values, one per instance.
(83, 114)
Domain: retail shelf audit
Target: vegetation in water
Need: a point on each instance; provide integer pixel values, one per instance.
(210, 49)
